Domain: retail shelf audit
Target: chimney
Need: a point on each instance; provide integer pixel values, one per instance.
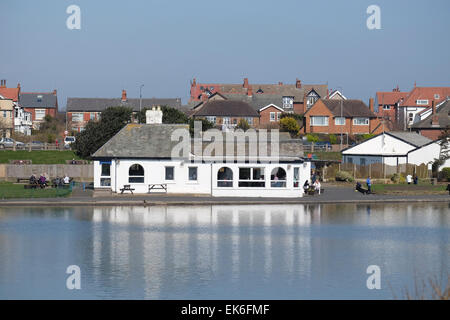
(204, 96)
(194, 82)
(124, 95)
(54, 92)
(18, 85)
(371, 104)
(328, 94)
(249, 91)
(433, 107)
(280, 83)
(154, 116)
(298, 84)
(3, 84)
(245, 82)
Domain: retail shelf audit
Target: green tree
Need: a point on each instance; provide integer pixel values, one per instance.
(96, 134)
(312, 137)
(206, 125)
(333, 139)
(243, 124)
(290, 125)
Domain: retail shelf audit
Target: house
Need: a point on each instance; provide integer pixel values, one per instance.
(145, 156)
(296, 97)
(435, 121)
(79, 111)
(393, 149)
(341, 116)
(6, 117)
(39, 104)
(21, 118)
(387, 103)
(227, 113)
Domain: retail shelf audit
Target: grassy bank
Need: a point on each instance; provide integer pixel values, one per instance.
(332, 155)
(409, 189)
(9, 190)
(38, 156)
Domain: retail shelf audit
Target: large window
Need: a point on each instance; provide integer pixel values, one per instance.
(92, 116)
(211, 119)
(136, 174)
(422, 102)
(272, 116)
(339, 121)
(192, 173)
(386, 107)
(319, 121)
(225, 177)
(288, 102)
(105, 179)
(249, 120)
(251, 177)
(77, 117)
(39, 114)
(278, 178)
(296, 177)
(410, 117)
(361, 121)
(170, 173)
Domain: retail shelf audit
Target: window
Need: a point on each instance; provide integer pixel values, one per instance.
(4, 114)
(339, 121)
(192, 173)
(319, 121)
(278, 116)
(211, 119)
(106, 169)
(136, 174)
(278, 178)
(386, 107)
(39, 114)
(350, 160)
(288, 102)
(422, 102)
(170, 173)
(105, 179)
(249, 120)
(251, 177)
(296, 177)
(272, 116)
(39, 98)
(436, 96)
(362, 161)
(77, 117)
(16, 113)
(361, 121)
(226, 120)
(92, 116)
(410, 117)
(225, 177)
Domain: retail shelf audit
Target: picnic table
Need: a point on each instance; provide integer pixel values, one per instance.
(127, 187)
(157, 186)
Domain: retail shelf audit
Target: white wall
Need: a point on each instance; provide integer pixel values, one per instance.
(376, 146)
(154, 173)
(425, 155)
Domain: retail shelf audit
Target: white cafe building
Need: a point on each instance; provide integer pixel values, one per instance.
(142, 156)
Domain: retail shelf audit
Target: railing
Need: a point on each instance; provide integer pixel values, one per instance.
(33, 146)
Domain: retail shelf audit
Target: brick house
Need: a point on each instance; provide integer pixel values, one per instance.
(325, 117)
(293, 96)
(437, 121)
(79, 111)
(39, 104)
(227, 113)
(21, 119)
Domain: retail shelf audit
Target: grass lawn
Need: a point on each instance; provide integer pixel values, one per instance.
(404, 188)
(9, 190)
(38, 156)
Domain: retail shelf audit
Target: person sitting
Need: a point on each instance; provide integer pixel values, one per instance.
(33, 179)
(42, 181)
(416, 179)
(317, 186)
(306, 186)
(66, 179)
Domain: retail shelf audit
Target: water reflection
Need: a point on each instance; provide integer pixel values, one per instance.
(201, 252)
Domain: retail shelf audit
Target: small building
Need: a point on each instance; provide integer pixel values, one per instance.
(147, 155)
(39, 105)
(335, 116)
(435, 121)
(393, 148)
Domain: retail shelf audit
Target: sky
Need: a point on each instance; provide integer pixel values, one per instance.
(164, 44)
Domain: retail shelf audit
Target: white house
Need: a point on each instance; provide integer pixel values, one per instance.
(153, 155)
(393, 148)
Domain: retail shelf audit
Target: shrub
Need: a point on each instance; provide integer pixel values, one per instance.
(312, 137)
(344, 176)
(290, 125)
(333, 139)
(445, 174)
(398, 178)
(295, 116)
(243, 124)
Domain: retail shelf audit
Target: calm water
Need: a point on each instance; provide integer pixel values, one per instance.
(221, 252)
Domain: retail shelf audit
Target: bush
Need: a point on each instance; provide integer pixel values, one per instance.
(344, 176)
(398, 178)
(243, 124)
(333, 139)
(312, 137)
(295, 116)
(290, 125)
(445, 174)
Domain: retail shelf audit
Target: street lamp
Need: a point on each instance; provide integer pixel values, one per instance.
(140, 100)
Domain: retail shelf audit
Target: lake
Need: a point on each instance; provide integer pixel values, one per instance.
(222, 252)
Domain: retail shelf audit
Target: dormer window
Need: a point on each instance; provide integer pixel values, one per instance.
(436, 96)
(260, 91)
(422, 102)
(312, 97)
(39, 98)
(288, 102)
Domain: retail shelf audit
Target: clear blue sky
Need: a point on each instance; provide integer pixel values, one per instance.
(165, 43)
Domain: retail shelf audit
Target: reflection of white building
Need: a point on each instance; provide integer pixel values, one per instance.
(141, 155)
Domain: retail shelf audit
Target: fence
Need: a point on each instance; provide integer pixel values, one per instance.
(79, 172)
(376, 170)
(33, 146)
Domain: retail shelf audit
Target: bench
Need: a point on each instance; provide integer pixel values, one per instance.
(157, 186)
(23, 180)
(127, 187)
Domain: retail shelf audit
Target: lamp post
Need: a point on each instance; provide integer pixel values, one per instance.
(340, 91)
(140, 100)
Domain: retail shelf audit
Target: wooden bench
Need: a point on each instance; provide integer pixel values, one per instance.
(157, 186)
(23, 180)
(127, 187)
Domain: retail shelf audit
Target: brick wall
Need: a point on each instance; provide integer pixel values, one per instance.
(264, 116)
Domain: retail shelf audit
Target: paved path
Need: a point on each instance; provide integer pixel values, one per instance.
(332, 194)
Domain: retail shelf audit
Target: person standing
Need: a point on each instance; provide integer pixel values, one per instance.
(409, 179)
(369, 185)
